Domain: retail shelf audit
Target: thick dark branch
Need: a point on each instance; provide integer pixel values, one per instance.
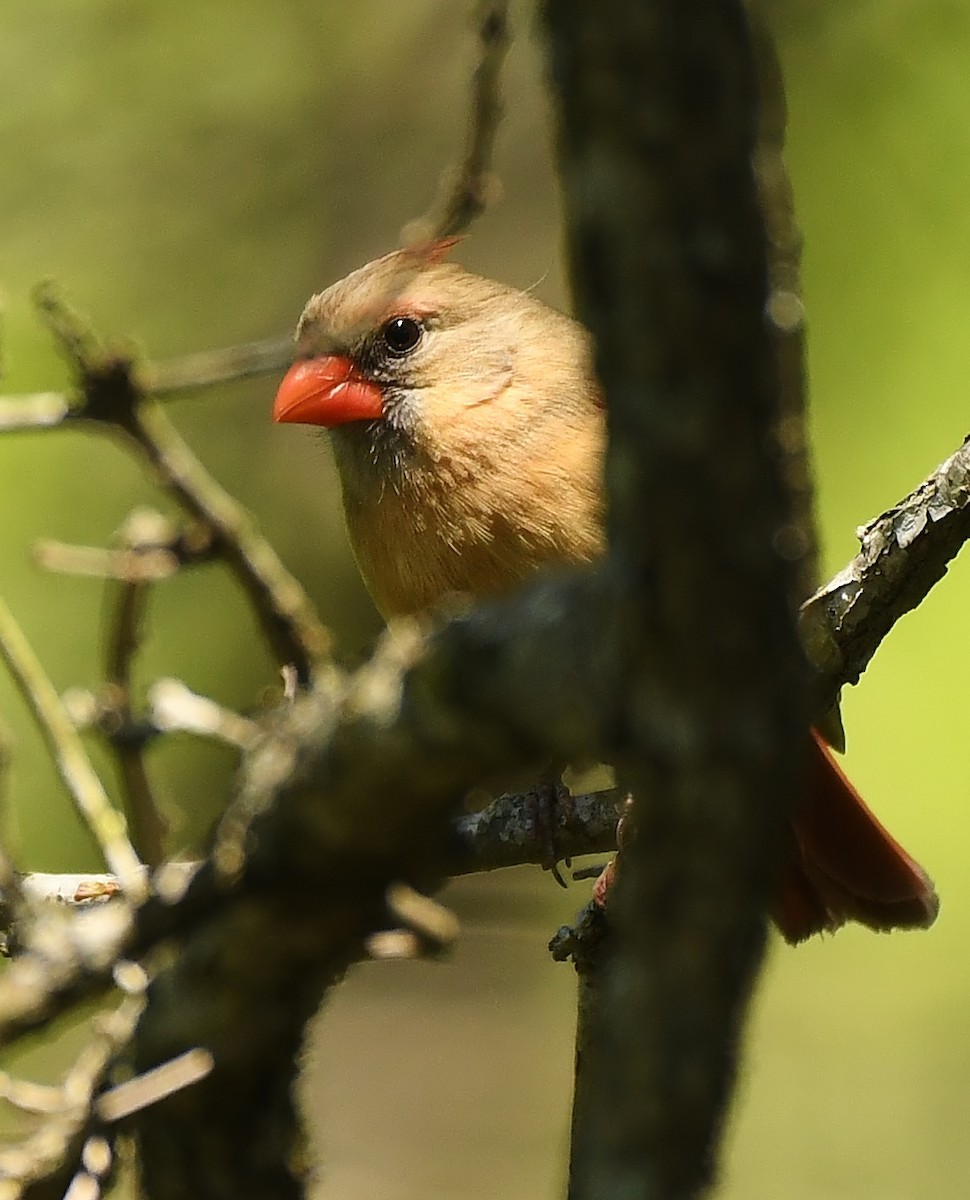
(347, 798)
(657, 120)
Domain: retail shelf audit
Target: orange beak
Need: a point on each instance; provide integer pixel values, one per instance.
(328, 391)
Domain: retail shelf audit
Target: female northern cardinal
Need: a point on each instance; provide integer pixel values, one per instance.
(468, 432)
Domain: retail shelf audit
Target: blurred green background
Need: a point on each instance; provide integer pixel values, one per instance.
(189, 175)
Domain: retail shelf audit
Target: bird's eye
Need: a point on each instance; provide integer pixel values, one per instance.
(402, 334)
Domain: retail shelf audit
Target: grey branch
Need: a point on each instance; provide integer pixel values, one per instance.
(904, 552)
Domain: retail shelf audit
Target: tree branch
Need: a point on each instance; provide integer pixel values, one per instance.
(112, 396)
(194, 372)
(905, 551)
(57, 967)
(282, 605)
(468, 191)
(656, 111)
(69, 755)
(140, 536)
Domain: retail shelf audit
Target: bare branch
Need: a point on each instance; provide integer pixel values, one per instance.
(468, 191)
(279, 600)
(193, 372)
(141, 535)
(160, 380)
(96, 562)
(504, 833)
(155, 550)
(39, 410)
(70, 757)
(905, 551)
(433, 927)
(48, 1161)
(154, 1085)
(81, 888)
(113, 396)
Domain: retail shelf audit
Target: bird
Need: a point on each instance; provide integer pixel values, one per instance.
(468, 431)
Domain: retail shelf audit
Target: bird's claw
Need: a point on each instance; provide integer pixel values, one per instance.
(552, 798)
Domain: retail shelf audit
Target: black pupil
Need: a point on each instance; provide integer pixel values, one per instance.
(402, 334)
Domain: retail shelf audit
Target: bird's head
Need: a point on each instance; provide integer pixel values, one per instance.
(465, 425)
(413, 342)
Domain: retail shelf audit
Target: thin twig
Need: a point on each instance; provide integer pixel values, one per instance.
(98, 562)
(75, 769)
(30, 1097)
(56, 1151)
(175, 708)
(291, 625)
(79, 889)
(142, 533)
(162, 380)
(159, 553)
(469, 190)
(151, 1086)
(193, 372)
(112, 395)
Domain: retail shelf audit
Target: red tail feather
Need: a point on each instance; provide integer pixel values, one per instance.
(844, 865)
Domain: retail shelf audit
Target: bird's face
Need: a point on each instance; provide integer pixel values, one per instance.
(405, 345)
(464, 422)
